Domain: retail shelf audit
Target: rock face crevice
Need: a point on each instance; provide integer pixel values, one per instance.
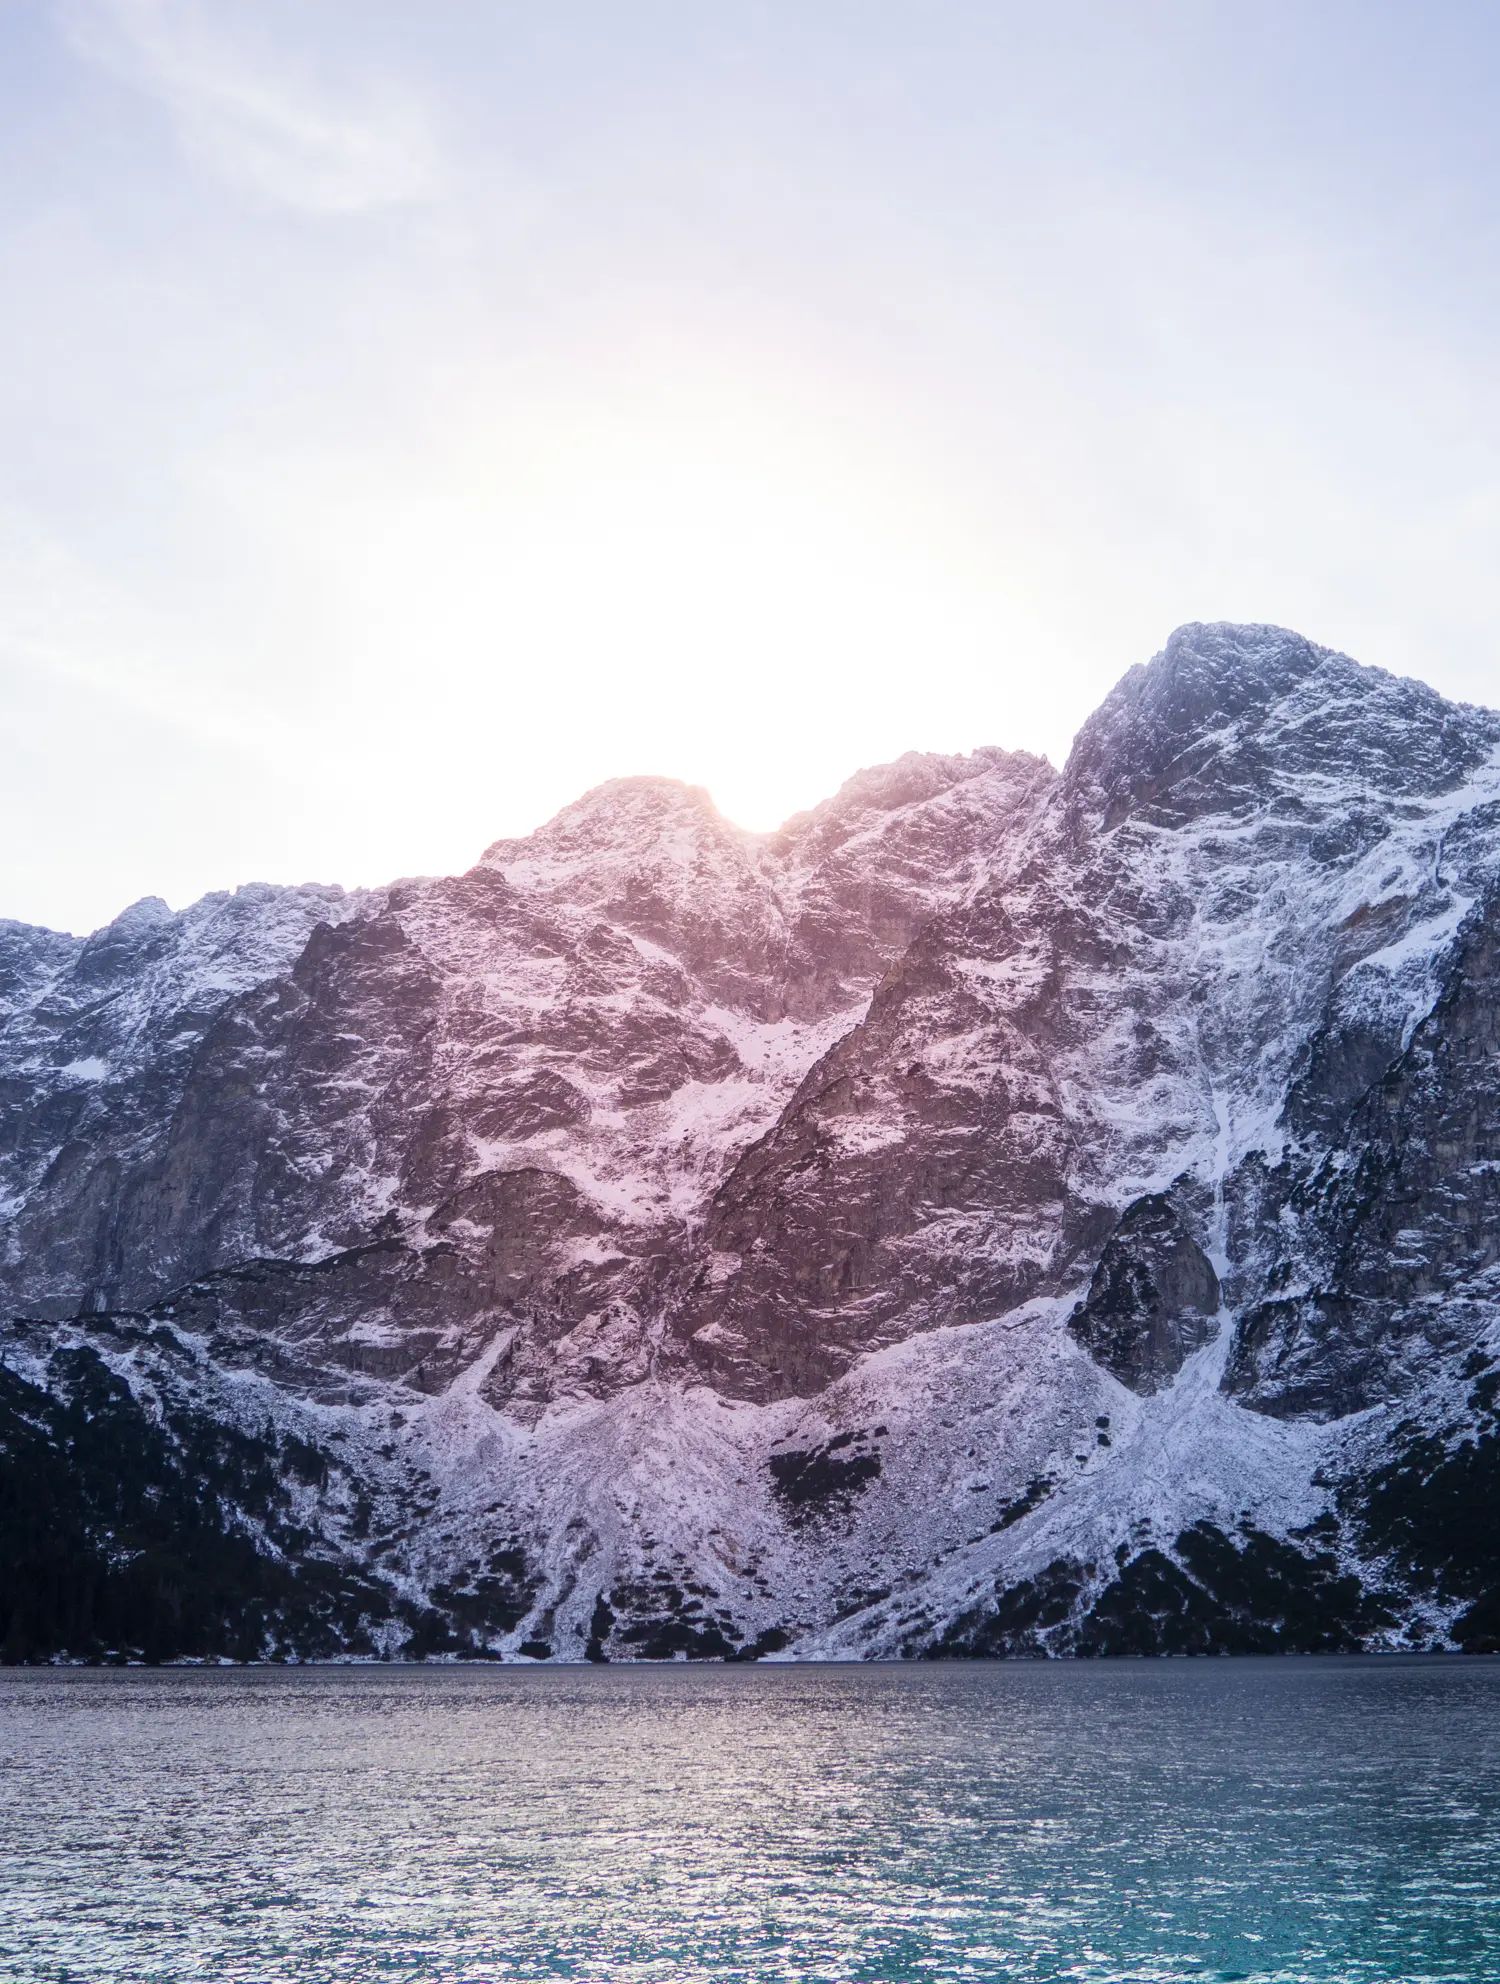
(666, 1239)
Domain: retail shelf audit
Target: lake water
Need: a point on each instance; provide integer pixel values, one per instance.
(1320, 1819)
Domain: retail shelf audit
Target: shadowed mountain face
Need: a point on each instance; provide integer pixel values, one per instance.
(1006, 1210)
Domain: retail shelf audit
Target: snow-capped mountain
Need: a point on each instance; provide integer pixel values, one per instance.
(1003, 1211)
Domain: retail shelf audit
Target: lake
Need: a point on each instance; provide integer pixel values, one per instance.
(1295, 1819)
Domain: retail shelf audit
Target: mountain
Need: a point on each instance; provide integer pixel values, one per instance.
(1005, 1211)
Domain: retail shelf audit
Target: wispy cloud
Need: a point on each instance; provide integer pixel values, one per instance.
(252, 118)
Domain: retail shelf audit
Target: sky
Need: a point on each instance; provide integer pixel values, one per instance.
(412, 416)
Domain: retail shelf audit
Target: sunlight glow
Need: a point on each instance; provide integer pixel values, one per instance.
(689, 584)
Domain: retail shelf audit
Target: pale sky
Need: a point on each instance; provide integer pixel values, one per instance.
(411, 415)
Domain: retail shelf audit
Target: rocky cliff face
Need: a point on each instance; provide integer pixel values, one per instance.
(1004, 1211)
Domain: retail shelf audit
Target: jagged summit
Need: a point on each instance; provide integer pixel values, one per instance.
(1226, 714)
(1208, 674)
(141, 917)
(911, 779)
(1002, 1210)
(666, 816)
(621, 813)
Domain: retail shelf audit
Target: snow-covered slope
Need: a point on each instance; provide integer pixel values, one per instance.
(1003, 1211)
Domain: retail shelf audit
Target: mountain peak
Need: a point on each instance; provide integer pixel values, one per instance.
(146, 914)
(1224, 708)
(647, 823)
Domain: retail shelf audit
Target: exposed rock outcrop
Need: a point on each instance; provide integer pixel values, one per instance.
(1152, 1300)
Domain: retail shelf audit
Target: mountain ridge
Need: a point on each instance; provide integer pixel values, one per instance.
(1003, 1210)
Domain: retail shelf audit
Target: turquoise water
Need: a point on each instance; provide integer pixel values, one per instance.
(1334, 1819)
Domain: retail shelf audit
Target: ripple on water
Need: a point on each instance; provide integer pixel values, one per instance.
(1140, 1823)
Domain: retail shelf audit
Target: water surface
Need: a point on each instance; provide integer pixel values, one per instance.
(1290, 1820)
